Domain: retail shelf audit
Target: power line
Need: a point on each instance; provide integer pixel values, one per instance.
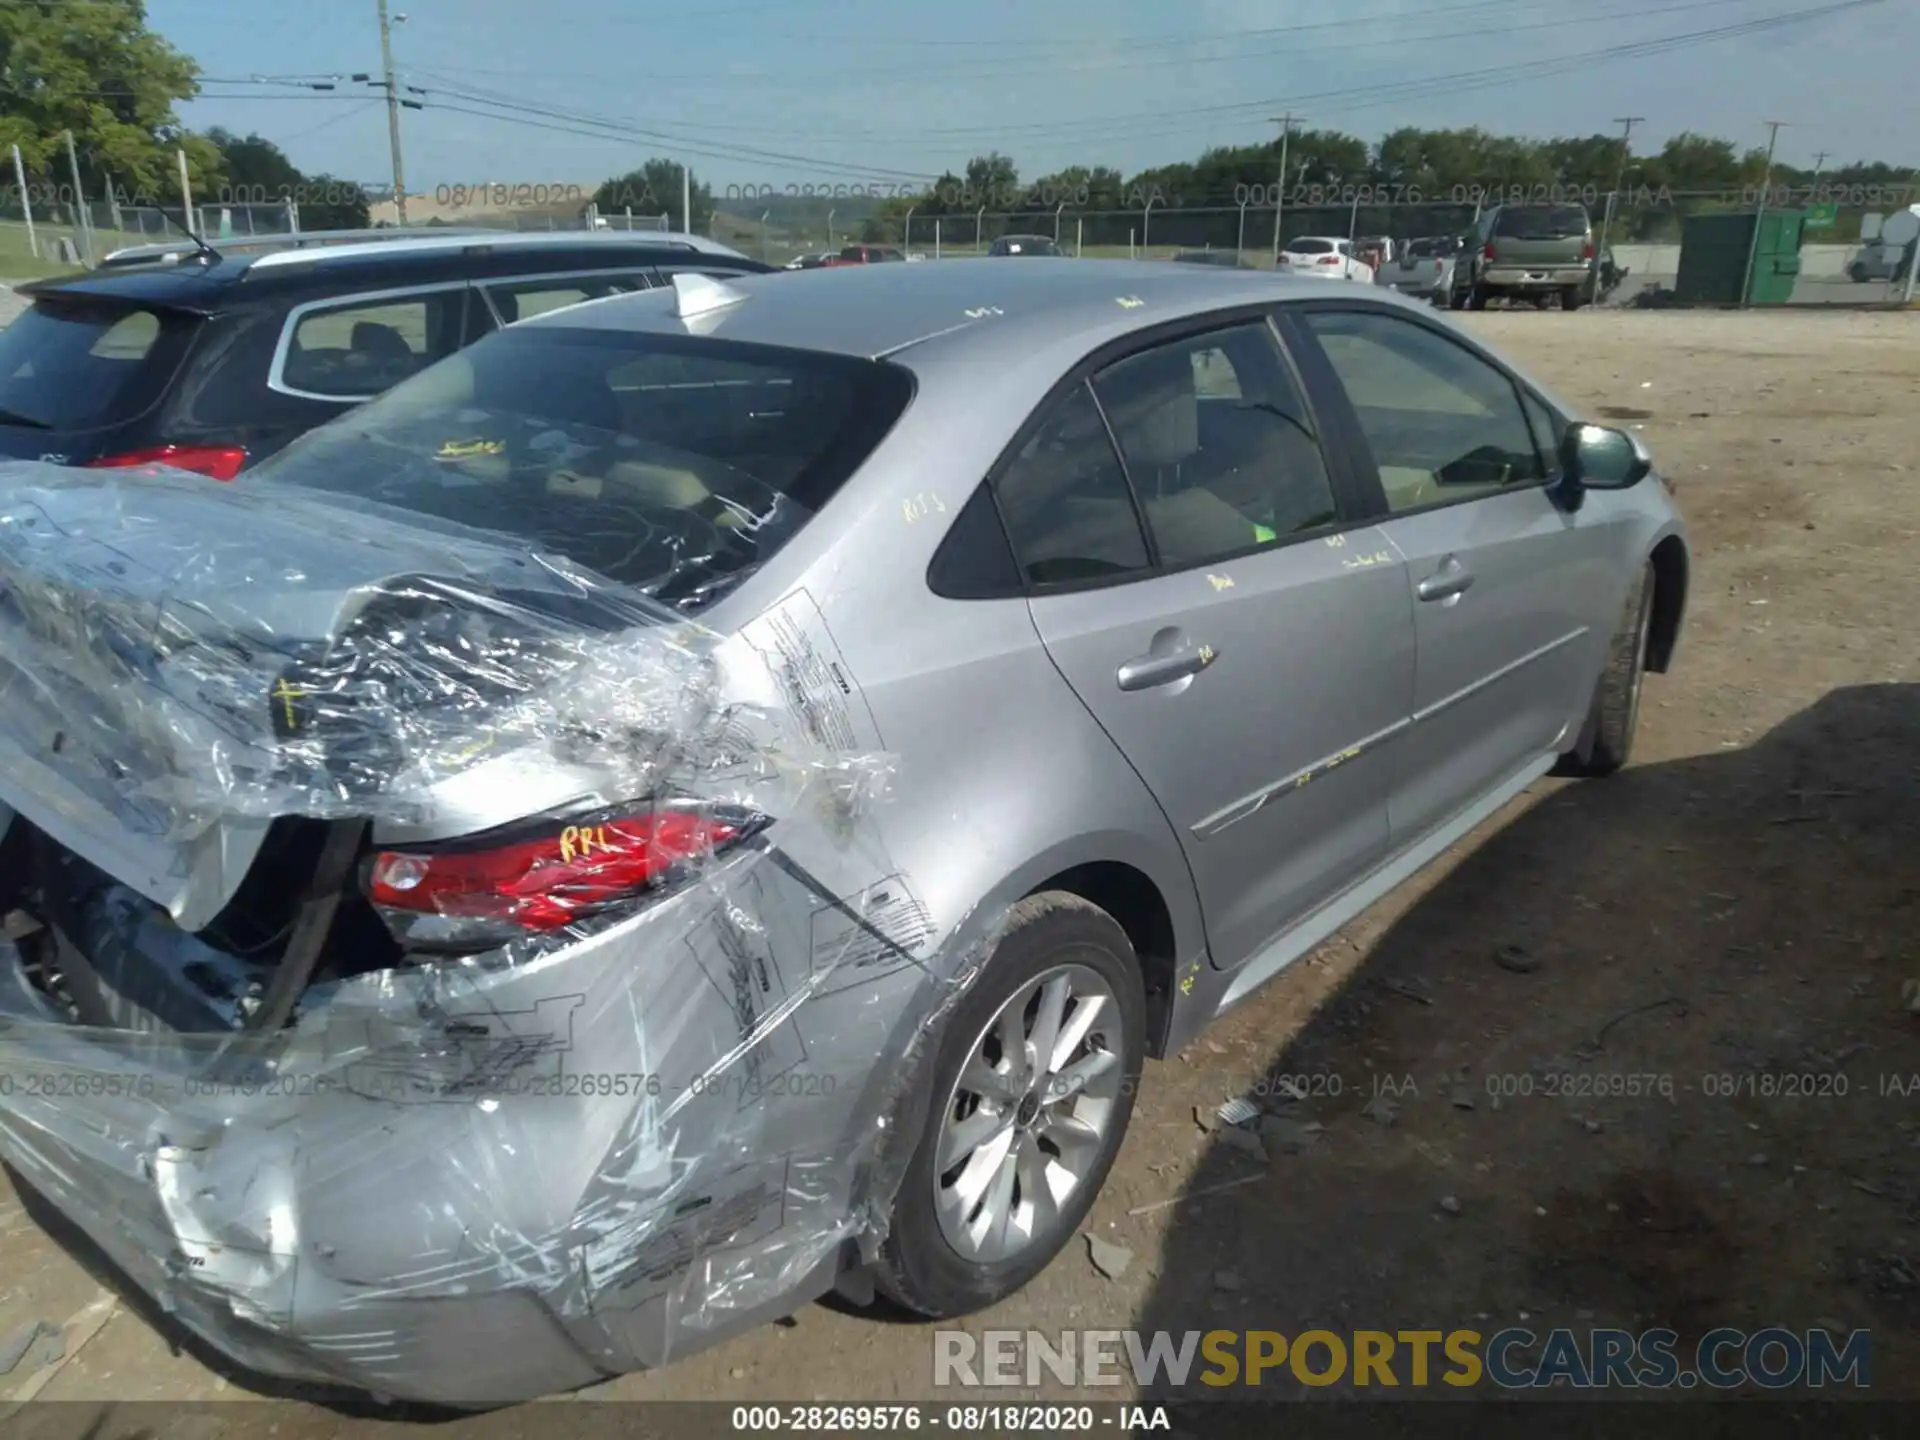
(1345, 99)
(1455, 83)
(1400, 39)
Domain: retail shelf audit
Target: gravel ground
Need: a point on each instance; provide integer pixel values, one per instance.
(1740, 902)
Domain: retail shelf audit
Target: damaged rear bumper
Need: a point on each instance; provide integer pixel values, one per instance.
(471, 1183)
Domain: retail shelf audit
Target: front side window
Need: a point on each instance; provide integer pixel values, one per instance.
(360, 348)
(1218, 443)
(1442, 423)
(672, 464)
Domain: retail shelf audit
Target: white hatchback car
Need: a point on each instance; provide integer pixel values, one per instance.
(1324, 256)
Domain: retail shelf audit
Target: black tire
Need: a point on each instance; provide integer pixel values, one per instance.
(1571, 299)
(1540, 301)
(1477, 297)
(1456, 298)
(917, 1268)
(1606, 740)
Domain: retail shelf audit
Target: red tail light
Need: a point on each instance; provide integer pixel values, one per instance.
(556, 878)
(222, 462)
(1328, 260)
(1486, 251)
(1586, 251)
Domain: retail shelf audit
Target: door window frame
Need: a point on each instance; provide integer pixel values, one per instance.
(1350, 497)
(1331, 395)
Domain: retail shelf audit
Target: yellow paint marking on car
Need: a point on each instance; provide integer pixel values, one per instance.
(463, 449)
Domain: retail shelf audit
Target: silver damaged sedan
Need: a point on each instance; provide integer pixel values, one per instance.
(713, 795)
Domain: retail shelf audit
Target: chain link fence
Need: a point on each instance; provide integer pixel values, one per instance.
(1642, 232)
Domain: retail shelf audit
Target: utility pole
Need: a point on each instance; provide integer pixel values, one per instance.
(1819, 163)
(393, 115)
(1286, 123)
(1774, 128)
(1626, 124)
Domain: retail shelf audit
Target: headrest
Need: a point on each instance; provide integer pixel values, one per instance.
(1151, 404)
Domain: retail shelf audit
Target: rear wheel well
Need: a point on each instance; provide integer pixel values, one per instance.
(1136, 904)
(1669, 601)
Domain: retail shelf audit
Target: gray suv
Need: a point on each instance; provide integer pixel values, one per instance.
(1530, 251)
(712, 795)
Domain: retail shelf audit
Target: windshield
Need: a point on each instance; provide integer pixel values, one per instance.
(1542, 222)
(71, 364)
(672, 464)
(1310, 247)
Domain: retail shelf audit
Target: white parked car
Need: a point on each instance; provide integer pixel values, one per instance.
(1325, 256)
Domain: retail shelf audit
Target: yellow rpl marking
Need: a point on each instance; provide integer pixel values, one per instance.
(286, 694)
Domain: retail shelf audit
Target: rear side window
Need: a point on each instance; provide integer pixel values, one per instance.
(1218, 444)
(71, 364)
(673, 464)
(1068, 508)
(524, 299)
(1541, 222)
(360, 348)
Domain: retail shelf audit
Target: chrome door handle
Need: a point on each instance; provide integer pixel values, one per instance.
(1453, 579)
(1147, 671)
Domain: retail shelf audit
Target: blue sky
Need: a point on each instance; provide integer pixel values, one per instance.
(879, 91)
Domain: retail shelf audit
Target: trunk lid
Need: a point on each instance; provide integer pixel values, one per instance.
(181, 662)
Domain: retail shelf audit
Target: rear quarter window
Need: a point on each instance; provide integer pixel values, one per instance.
(82, 363)
(1541, 222)
(673, 464)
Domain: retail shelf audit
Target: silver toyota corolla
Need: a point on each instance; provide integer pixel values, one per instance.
(713, 795)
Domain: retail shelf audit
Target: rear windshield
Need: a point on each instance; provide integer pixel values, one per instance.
(1541, 222)
(1309, 247)
(70, 364)
(673, 464)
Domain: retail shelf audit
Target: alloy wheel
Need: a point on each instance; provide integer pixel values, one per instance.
(1030, 1115)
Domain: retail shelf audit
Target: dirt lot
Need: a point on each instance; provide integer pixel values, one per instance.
(1743, 902)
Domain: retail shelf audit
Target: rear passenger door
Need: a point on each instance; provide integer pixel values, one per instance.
(1513, 596)
(1196, 576)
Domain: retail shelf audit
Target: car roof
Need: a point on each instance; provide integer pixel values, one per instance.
(949, 310)
(245, 269)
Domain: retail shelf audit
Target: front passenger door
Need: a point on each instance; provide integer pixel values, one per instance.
(1513, 597)
(1248, 651)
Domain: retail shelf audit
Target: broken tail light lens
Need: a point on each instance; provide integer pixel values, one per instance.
(535, 882)
(220, 462)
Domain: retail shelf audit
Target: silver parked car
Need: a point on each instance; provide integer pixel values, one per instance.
(712, 795)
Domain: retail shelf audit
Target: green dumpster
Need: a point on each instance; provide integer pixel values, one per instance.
(1714, 251)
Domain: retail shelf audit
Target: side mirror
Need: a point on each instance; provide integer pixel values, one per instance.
(1594, 457)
